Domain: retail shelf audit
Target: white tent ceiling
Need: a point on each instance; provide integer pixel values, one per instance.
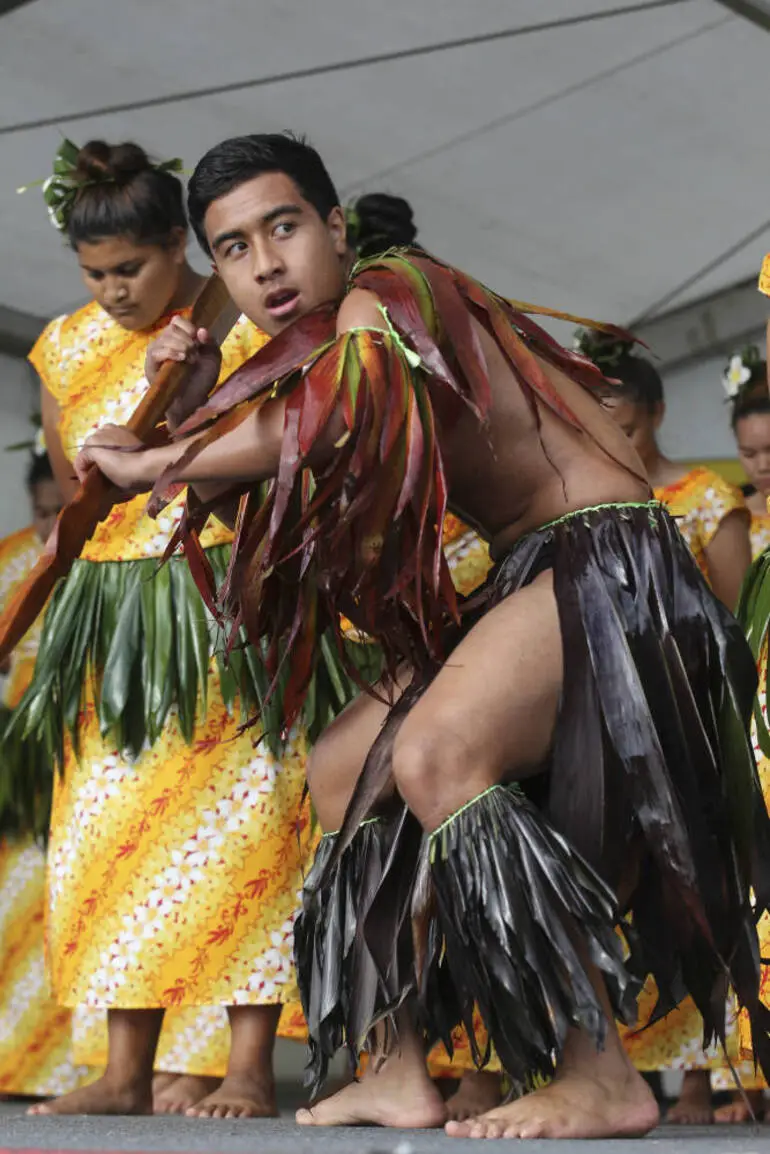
(593, 165)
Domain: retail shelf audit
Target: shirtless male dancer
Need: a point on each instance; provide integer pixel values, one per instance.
(579, 733)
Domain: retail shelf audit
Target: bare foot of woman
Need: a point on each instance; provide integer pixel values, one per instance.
(478, 1092)
(694, 1107)
(239, 1096)
(595, 1094)
(181, 1092)
(738, 1111)
(400, 1094)
(105, 1096)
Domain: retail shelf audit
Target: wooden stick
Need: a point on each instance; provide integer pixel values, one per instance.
(79, 518)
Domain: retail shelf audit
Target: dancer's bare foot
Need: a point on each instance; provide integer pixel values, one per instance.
(694, 1107)
(479, 1092)
(737, 1111)
(400, 1094)
(595, 1094)
(105, 1096)
(239, 1096)
(182, 1091)
(161, 1082)
(572, 1106)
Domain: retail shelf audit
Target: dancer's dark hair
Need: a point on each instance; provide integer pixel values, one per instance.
(638, 379)
(242, 158)
(122, 193)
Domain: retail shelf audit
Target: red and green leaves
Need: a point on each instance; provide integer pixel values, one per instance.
(348, 528)
(352, 523)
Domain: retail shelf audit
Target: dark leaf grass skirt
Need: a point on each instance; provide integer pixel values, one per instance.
(649, 806)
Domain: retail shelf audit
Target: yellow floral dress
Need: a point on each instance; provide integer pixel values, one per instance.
(700, 501)
(173, 879)
(759, 532)
(35, 1034)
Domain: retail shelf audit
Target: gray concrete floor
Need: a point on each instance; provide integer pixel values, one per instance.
(189, 1136)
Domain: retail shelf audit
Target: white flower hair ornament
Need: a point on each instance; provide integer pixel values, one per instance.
(740, 371)
(735, 375)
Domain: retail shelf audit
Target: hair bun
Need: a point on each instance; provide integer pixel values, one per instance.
(99, 161)
(383, 221)
(604, 349)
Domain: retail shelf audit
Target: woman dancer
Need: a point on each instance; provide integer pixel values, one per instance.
(174, 862)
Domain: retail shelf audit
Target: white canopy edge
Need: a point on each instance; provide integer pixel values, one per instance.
(714, 325)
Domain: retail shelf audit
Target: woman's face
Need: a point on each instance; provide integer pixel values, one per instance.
(134, 283)
(47, 502)
(640, 423)
(752, 433)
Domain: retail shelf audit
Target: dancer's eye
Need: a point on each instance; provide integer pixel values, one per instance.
(284, 228)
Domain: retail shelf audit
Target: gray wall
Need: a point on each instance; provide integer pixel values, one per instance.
(17, 400)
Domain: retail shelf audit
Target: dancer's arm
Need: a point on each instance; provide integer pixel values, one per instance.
(251, 452)
(728, 556)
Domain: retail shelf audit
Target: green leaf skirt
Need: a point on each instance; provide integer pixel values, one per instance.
(141, 633)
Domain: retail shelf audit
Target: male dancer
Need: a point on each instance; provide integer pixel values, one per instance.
(590, 707)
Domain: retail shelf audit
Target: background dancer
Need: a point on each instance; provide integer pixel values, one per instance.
(174, 858)
(745, 381)
(36, 1058)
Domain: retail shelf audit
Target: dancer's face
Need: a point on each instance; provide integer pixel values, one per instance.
(752, 433)
(639, 422)
(134, 283)
(278, 258)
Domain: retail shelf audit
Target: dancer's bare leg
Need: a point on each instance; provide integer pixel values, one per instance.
(176, 1093)
(694, 1107)
(338, 756)
(491, 714)
(479, 1091)
(397, 1093)
(248, 1088)
(126, 1085)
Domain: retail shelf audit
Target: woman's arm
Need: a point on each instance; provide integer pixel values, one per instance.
(728, 556)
